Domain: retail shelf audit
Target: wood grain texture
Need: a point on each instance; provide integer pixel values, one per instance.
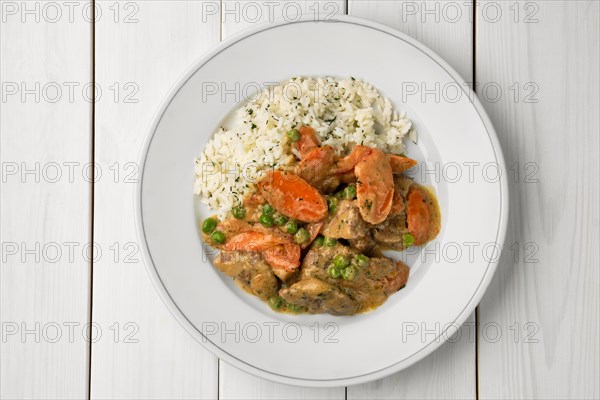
(445, 27)
(544, 299)
(237, 16)
(145, 57)
(450, 371)
(44, 291)
(236, 384)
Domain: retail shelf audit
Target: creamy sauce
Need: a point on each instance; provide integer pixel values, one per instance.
(258, 248)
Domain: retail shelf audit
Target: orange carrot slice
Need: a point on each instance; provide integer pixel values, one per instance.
(419, 215)
(374, 187)
(293, 196)
(252, 241)
(400, 164)
(277, 251)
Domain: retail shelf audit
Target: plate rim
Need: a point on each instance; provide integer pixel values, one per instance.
(243, 365)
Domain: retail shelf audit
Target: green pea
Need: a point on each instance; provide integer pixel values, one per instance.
(301, 236)
(350, 192)
(349, 273)
(291, 227)
(295, 308)
(340, 261)
(329, 242)
(332, 204)
(280, 220)
(268, 209)
(276, 302)
(360, 260)
(334, 271)
(294, 135)
(408, 239)
(209, 225)
(218, 237)
(319, 240)
(238, 212)
(266, 220)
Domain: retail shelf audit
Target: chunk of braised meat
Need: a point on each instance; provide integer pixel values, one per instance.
(397, 204)
(369, 286)
(390, 233)
(365, 244)
(318, 297)
(313, 229)
(393, 275)
(319, 168)
(402, 184)
(308, 141)
(318, 259)
(397, 281)
(332, 182)
(316, 164)
(346, 222)
(316, 168)
(281, 258)
(250, 272)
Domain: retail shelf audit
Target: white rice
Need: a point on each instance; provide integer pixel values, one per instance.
(342, 112)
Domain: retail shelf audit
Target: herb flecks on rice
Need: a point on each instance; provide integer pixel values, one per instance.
(342, 113)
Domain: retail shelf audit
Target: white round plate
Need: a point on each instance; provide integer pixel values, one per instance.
(461, 159)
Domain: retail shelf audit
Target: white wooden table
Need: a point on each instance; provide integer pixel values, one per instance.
(536, 68)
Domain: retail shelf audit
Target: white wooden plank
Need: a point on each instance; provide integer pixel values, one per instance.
(545, 296)
(236, 384)
(143, 49)
(44, 127)
(450, 371)
(446, 27)
(237, 16)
